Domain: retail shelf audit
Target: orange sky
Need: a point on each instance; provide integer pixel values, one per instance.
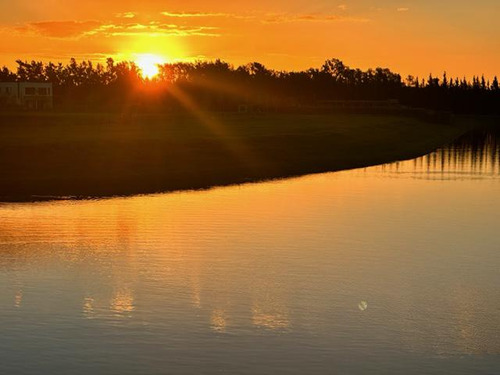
(408, 36)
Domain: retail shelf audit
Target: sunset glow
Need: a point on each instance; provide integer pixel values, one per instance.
(149, 64)
(266, 187)
(293, 35)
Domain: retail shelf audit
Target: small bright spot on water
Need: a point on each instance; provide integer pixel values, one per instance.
(363, 305)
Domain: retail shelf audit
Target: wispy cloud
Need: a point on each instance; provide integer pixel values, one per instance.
(271, 17)
(194, 14)
(125, 15)
(179, 24)
(154, 29)
(58, 29)
(284, 18)
(75, 29)
(403, 9)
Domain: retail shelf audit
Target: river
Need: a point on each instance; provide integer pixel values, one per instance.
(391, 269)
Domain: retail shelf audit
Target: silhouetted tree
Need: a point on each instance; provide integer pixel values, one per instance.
(445, 81)
(494, 85)
(218, 85)
(6, 75)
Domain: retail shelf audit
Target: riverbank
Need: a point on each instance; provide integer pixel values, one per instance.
(96, 155)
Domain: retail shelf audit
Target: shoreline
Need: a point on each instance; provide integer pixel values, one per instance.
(55, 198)
(65, 157)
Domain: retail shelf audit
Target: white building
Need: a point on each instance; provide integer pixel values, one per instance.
(28, 95)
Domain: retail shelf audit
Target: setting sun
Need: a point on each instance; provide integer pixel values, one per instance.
(148, 64)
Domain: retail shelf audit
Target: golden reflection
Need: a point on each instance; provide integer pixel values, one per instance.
(218, 321)
(18, 298)
(122, 302)
(88, 307)
(195, 291)
(270, 318)
(250, 254)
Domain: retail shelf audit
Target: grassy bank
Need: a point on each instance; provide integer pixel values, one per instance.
(103, 155)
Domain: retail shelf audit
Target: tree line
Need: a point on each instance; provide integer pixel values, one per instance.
(218, 85)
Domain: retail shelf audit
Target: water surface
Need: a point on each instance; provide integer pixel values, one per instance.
(391, 269)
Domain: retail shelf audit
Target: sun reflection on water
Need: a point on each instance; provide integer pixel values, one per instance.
(122, 303)
(218, 321)
(269, 318)
(88, 307)
(18, 298)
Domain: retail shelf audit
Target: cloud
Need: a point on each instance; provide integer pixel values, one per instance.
(168, 24)
(59, 29)
(403, 9)
(285, 18)
(154, 29)
(194, 14)
(125, 15)
(207, 15)
(76, 29)
(269, 18)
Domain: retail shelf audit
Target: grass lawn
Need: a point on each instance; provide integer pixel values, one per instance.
(101, 155)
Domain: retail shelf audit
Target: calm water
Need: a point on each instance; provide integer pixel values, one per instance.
(392, 270)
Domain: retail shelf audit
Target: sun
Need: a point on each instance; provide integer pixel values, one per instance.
(148, 63)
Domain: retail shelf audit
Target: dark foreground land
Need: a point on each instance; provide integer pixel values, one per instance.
(97, 155)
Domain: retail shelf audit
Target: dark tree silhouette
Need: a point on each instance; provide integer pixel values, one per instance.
(217, 85)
